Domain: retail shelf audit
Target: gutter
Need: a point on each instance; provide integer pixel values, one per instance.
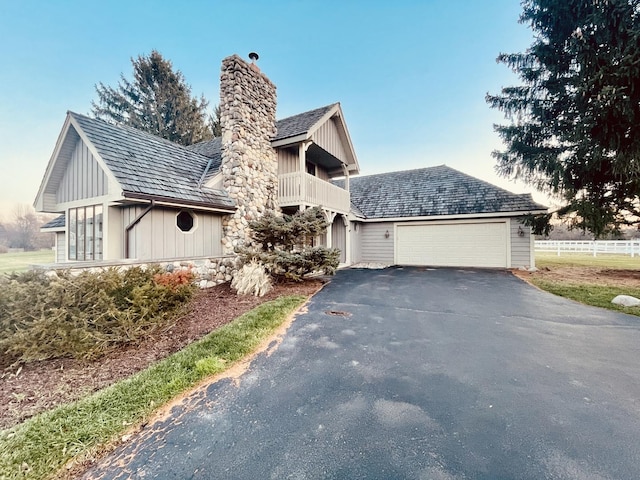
(133, 223)
(180, 203)
(466, 216)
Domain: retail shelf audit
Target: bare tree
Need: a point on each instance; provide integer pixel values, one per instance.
(24, 228)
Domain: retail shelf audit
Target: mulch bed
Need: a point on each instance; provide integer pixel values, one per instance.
(36, 387)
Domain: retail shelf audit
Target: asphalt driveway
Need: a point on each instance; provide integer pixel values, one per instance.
(419, 374)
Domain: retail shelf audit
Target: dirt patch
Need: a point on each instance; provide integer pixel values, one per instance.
(36, 387)
(585, 275)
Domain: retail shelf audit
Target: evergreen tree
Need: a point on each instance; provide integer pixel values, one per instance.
(157, 100)
(214, 122)
(285, 245)
(575, 120)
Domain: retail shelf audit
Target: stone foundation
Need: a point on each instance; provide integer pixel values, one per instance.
(208, 272)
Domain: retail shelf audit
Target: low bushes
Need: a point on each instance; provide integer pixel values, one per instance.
(39, 447)
(87, 315)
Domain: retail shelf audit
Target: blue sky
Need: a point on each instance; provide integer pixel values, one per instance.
(411, 75)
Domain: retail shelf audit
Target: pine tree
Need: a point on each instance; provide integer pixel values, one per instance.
(285, 245)
(575, 120)
(157, 100)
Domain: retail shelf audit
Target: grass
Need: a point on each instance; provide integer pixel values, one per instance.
(551, 259)
(20, 261)
(589, 293)
(41, 446)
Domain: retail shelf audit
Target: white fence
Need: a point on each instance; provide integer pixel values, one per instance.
(622, 247)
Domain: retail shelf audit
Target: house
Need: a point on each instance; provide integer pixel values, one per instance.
(123, 194)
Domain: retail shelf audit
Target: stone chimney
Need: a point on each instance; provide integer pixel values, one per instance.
(249, 164)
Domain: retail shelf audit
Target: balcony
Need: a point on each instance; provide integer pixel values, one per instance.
(303, 189)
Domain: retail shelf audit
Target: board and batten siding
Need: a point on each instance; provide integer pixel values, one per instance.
(83, 177)
(356, 242)
(157, 236)
(374, 246)
(288, 161)
(61, 247)
(521, 249)
(328, 138)
(339, 237)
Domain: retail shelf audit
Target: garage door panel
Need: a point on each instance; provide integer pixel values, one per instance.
(455, 245)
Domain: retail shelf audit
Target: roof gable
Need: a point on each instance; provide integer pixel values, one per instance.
(326, 128)
(433, 191)
(147, 166)
(65, 152)
(290, 130)
(301, 123)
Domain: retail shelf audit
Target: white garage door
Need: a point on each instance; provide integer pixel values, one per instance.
(453, 245)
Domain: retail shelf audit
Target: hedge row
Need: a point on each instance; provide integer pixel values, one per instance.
(86, 315)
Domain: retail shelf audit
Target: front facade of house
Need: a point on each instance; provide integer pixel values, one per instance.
(127, 195)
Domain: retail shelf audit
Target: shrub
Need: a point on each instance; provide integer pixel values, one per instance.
(174, 280)
(252, 279)
(87, 315)
(286, 245)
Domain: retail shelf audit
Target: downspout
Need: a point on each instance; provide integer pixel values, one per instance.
(133, 223)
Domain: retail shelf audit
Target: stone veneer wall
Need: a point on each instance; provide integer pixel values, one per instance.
(249, 163)
(208, 272)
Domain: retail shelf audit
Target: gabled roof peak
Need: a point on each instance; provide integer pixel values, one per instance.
(301, 123)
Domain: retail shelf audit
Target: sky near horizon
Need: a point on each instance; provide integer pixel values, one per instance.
(411, 75)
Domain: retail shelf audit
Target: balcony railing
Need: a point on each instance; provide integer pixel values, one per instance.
(292, 192)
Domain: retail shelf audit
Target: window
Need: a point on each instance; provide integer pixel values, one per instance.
(185, 221)
(85, 233)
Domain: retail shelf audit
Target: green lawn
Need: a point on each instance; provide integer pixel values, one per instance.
(589, 292)
(19, 262)
(551, 259)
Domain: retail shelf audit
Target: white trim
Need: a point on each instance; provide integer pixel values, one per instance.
(194, 217)
(532, 249)
(39, 201)
(89, 201)
(469, 216)
(159, 203)
(509, 243)
(53, 229)
(289, 141)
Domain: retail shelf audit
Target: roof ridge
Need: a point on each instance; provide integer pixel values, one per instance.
(137, 131)
(400, 171)
(326, 107)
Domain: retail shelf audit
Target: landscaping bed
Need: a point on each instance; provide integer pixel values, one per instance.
(39, 386)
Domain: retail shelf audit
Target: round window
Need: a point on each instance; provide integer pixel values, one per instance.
(184, 220)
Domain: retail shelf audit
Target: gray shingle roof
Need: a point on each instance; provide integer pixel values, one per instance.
(58, 222)
(433, 191)
(209, 148)
(301, 123)
(149, 166)
(286, 128)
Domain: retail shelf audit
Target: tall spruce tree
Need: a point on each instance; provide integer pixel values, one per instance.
(574, 129)
(157, 100)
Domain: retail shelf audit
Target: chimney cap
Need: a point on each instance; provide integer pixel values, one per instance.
(253, 56)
